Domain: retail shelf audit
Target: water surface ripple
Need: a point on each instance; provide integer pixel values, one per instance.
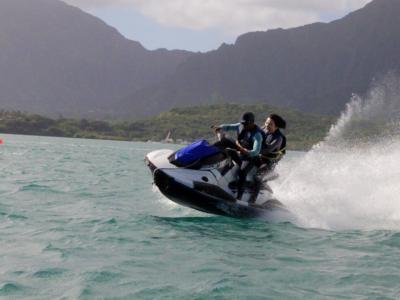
(79, 219)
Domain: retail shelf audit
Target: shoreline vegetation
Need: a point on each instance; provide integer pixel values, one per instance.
(179, 125)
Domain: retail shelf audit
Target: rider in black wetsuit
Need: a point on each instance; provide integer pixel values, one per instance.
(249, 144)
(274, 148)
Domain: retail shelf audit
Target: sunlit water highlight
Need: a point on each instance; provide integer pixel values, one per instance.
(80, 219)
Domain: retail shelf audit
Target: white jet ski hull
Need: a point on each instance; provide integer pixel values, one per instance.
(207, 189)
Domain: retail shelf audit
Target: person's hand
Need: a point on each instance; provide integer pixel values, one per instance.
(241, 149)
(216, 128)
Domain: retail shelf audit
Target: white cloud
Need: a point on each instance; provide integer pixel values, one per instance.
(232, 16)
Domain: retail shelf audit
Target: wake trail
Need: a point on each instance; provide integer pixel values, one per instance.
(351, 180)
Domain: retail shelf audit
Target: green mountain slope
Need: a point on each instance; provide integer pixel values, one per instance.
(303, 131)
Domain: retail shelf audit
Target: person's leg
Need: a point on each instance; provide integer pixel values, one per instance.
(264, 167)
(225, 144)
(256, 190)
(257, 180)
(246, 166)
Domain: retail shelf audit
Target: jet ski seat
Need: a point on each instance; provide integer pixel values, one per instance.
(196, 155)
(203, 161)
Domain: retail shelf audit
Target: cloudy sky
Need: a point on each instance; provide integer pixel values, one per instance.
(202, 25)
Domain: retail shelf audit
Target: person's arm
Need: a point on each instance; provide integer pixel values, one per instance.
(257, 144)
(230, 127)
(273, 145)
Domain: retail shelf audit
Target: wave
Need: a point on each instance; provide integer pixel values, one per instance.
(351, 179)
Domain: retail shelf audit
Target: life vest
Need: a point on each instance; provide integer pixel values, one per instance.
(277, 154)
(246, 136)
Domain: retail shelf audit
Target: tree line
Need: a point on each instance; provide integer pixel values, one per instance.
(184, 124)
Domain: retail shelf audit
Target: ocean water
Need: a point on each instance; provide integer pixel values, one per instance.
(80, 219)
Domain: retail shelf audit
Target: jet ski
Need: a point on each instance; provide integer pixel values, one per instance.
(207, 182)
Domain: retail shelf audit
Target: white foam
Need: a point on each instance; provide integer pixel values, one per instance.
(350, 184)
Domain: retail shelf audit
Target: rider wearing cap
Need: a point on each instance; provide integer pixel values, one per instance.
(249, 144)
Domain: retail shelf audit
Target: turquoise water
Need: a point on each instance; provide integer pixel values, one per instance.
(79, 219)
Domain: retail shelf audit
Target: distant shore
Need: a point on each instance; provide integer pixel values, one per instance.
(179, 125)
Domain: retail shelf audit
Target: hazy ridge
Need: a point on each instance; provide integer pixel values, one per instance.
(56, 59)
(315, 67)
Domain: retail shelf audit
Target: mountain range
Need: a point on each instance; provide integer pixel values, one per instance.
(56, 59)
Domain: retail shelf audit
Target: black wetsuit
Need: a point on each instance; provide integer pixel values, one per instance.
(272, 151)
(273, 148)
(246, 138)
